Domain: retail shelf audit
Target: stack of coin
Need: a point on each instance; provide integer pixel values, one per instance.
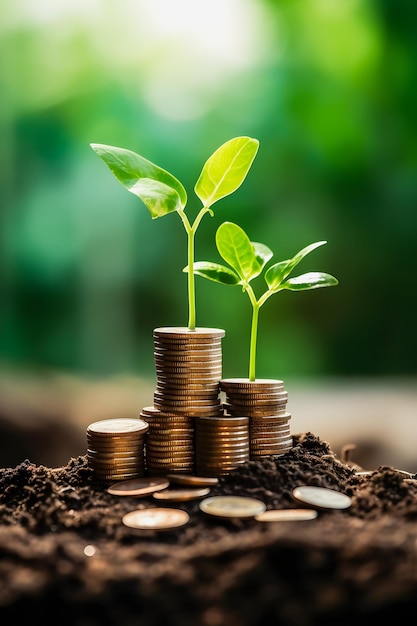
(115, 448)
(264, 402)
(188, 368)
(169, 444)
(222, 443)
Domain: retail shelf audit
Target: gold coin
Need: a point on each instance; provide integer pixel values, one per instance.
(286, 515)
(258, 431)
(115, 476)
(138, 486)
(181, 350)
(174, 433)
(181, 495)
(224, 421)
(214, 459)
(321, 497)
(155, 519)
(115, 453)
(232, 506)
(116, 450)
(258, 400)
(177, 466)
(224, 440)
(168, 440)
(188, 479)
(266, 437)
(171, 421)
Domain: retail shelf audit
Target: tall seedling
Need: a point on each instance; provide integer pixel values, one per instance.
(247, 260)
(162, 193)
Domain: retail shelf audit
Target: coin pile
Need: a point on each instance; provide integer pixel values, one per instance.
(115, 448)
(169, 443)
(188, 368)
(264, 402)
(222, 443)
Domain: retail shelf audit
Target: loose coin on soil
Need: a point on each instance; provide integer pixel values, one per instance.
(155, 519)
(138, 486)
(181, 495)
(232, 506)
(322, 497)
(188, 479)
(286, 515)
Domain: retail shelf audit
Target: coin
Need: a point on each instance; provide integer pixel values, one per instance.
(183, 332)
(181, 495)
(286, 515)
(322, 497)
(188, 479)
(138, 486)
(117, 425)
(155, 519)
(232, 506)
(235, 384)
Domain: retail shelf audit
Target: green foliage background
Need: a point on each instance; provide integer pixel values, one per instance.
(328, 88)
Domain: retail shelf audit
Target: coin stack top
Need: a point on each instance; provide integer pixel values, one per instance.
(264, 402)
(115, 448)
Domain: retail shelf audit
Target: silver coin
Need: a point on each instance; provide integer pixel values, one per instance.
(232, 506)
(286, 515)
(116, 426)
(184, 332)
(322, 497)
(155, 519)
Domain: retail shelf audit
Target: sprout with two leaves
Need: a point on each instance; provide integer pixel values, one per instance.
(162, 193)
(247, 260)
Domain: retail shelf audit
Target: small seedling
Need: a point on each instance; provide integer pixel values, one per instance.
(247, 260)
(162, 193)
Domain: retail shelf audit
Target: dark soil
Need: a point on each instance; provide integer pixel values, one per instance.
(352, 566)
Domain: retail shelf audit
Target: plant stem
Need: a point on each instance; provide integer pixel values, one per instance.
(191, 230)
(191, 281)
(253, 342)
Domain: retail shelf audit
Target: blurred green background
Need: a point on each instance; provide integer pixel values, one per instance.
(329, 89)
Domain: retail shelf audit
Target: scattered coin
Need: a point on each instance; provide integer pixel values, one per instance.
(232, 506)
(322, 497)
(138, 486)
(181, 495)
(188, 479)
(286, 515)
(155, 519)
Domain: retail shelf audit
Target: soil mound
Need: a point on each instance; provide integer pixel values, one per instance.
(66, 557)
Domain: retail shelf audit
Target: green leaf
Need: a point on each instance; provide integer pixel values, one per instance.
(311, 280)
(278, 272)
(263, 253)
(216, 272)
(226, 169)
(161, 192)
(235, 248)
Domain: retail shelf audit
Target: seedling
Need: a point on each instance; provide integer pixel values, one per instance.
(162, 193)
(247, 260)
